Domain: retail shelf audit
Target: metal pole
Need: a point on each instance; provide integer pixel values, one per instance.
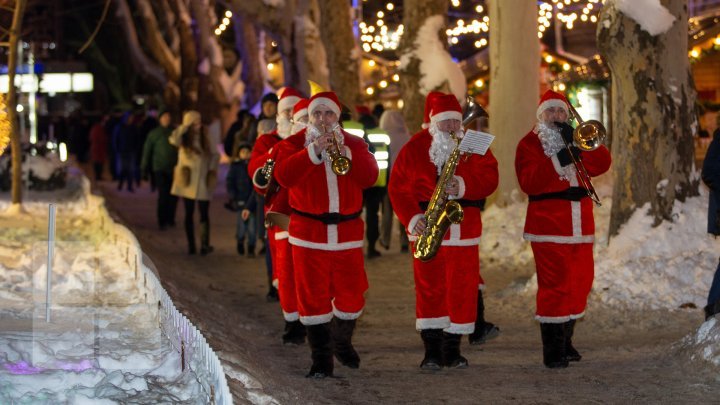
(51, 255)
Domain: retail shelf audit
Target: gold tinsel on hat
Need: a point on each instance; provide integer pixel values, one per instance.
(4, 125)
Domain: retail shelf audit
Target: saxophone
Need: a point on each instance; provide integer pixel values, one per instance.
(440, 214)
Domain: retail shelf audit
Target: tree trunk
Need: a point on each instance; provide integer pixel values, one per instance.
(246, 42)
(415, 13)
(156, 43)
(277, 20)
(140, 62)
(308, 60)
(17, 155)
(343, 54)
(514, 90)
(188, 60)
(653, 98)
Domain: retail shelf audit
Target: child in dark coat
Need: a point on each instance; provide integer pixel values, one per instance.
(242, 200)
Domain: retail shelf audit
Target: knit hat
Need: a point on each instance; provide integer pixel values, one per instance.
(326, 98)
(288, 98)
(269, 97)
(552, 99)
(428, 105)
(191, 117)
(445, 107)
(301, 109)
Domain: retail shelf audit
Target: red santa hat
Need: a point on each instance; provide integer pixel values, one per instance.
(326, 98)
(428, 106)
(552, 99)
(362, 110)
(301, 109)
(288, 98)
(445, 107)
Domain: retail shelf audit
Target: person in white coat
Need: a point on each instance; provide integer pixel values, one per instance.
(195, 176)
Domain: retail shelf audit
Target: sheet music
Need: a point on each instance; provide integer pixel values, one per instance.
(476, 142)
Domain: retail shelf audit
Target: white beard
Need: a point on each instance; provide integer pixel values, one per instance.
(552, 143)
(442, 146)
(313, 132)
(297, 127)
(284, 127)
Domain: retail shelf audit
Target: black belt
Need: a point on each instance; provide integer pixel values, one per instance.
(329, 218)
(463, 202)
(572, 194)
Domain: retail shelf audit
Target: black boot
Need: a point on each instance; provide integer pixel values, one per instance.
(321, 347)
(342, 331)
(451, 351)
(553, 340)
(294, 333)
(205, 247)
(432, 339)
(712, 309)
(241, 247)
(190, 233)
(570, 353)
(484, 331)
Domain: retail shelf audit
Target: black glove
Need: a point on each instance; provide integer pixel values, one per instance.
(564, 156)
(566, 131)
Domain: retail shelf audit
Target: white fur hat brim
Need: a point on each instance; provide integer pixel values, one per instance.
(551, 103)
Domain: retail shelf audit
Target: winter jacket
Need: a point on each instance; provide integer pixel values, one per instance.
(98, 143)
(158, 154)
(556, 220)
(195, 173)
(711, 177)
(414, 179)
(238, 184)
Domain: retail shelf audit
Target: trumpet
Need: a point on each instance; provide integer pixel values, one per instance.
(340, 164)
(587, 136)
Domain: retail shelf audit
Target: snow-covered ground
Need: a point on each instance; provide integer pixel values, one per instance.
(103, 343)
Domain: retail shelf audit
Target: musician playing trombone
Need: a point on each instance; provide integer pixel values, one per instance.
(555, 174)
(325, 170)
(446, 286)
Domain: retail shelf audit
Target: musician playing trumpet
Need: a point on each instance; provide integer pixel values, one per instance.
(446, 284)
(559, 222)
(325, 170)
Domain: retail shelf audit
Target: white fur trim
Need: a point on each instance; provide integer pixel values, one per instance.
(255, 183)
(413, 221)
(326, 246)
(558, 319)
(276, 283)
(576, 218)
(425, 125)
(460, 328)
(461, 188)
(559, 239)
(332, 234)
(481, 287)
(432, 323)
(286, 103)
(316, 319)
(326, 102)
(446, 115)
(291, 316)
(556, 164)
(281, 235)
(313, 156)
(454, 232)
(299, 114)
(346, 316)
(553, 102)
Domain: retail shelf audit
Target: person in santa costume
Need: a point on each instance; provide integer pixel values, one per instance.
(288, 98)
(326, 232)
(559, 224)
(276, 200)
(445, 286)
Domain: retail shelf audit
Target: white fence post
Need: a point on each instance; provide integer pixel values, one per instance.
(51, 255)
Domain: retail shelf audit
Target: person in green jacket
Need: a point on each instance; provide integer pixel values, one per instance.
(160, 158)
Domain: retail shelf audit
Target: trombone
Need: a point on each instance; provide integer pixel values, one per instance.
(587, 136)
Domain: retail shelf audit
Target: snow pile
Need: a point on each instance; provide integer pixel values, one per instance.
(436, 65)
(652, 16)
(108, 339)
(705, 343)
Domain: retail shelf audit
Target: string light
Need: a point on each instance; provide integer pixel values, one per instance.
(224, 23)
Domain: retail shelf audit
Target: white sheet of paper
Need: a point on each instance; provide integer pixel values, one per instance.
(476, 142)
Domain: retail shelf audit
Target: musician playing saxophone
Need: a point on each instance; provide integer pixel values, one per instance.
(446, 285)
(559, 223)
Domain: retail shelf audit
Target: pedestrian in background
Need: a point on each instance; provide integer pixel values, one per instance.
(711, 177)
(160, 157)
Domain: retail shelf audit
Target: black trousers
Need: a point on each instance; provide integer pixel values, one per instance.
(167, 203)
(373, 198)
(204, 208)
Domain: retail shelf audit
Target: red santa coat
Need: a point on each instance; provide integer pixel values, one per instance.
(561, 231)
(446, 286)
(556, 220)
(414, 177)
(315, 189)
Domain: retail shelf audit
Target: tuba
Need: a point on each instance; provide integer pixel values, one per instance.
(340, 164)
(440, 214)
(587, 136)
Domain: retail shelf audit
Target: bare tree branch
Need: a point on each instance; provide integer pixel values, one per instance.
(141, 63)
